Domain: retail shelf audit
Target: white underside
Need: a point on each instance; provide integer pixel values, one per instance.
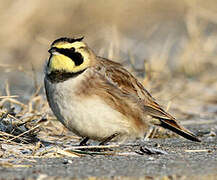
(88, 117)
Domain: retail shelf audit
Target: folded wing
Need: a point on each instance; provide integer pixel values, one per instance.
(127, 84)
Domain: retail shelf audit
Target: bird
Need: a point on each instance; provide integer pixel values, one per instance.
(97, 98)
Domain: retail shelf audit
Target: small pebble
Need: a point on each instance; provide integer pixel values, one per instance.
(67, 161)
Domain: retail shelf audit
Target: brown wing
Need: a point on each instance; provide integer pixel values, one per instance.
(116, 75)
(128, 84)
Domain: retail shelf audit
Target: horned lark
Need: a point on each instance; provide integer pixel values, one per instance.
(97, 98)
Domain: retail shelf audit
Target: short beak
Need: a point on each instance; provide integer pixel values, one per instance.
(52, 50)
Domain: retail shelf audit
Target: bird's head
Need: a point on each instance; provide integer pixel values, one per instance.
(69, 55)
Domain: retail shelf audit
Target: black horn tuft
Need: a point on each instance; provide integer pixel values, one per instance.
(65, 39)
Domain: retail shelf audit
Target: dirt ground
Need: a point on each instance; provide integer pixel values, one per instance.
(180, 159)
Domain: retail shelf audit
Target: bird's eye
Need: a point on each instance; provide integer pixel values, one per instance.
(72, 49)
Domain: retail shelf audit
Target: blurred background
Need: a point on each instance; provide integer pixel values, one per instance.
(171, 46)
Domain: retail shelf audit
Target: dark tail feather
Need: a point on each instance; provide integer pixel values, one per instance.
(173, 126)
